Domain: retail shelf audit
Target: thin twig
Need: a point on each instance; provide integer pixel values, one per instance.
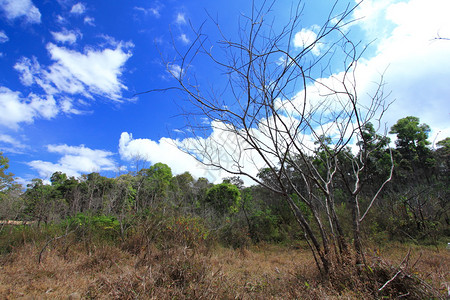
(51, 240)
(389, 281)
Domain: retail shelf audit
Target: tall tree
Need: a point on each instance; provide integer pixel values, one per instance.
(414, 156)
(152, 184)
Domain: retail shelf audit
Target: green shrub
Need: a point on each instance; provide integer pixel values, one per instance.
(101, 228)
(264, 227)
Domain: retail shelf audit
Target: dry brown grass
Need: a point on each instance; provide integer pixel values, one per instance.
(429, 264)
(261, 272)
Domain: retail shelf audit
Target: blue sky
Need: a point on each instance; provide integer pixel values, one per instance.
(70, 70)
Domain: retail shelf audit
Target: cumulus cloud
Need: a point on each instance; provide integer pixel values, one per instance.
(78, 8)
(93, 72)
(3, 37)
(372, 18)
(27, 67)
(16, 109)
(417, 67)
(25, 9)
(75, 160)
(165, 150)
(66, 36)
(222, 146)
(414, 66)
(96, 70)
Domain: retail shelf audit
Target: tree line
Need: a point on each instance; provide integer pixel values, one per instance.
(413, 206)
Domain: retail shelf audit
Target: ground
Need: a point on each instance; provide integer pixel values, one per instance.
(260, 272)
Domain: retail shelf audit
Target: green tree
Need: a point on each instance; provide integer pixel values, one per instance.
(411, 135)
(6, 178)
(443, 156)
(38, 200)
(374, 148)
(181, 191)
(414, 157)
(65, 190)
(420, 187)
(152, 184)
(225, 198)
(96, 190)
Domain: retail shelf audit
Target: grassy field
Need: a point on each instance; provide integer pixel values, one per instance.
(77, 269)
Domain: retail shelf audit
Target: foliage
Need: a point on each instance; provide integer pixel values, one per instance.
(6, 178)
(152, 205)
(225, 198)
(94, 228)
(265, 226)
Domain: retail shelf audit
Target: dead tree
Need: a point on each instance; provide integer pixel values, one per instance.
(282, 103)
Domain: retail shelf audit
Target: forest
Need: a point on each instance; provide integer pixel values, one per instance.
(149, 210)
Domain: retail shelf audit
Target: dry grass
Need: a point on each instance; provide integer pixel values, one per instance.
(264, 272)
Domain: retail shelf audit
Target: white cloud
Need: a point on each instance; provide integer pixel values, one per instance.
(89, 21)
(11, 144)
(221, 145)
(44, 107)
(61, 20)
(154, 11)
(97, 70)
(306, 38)
(68, 108)
(414, 66)
(16, 109)
(372, 18)
(184, 39)
(78, 9)
(180, 19)
(174, 70)
(94, 72)
(66, 36)
(418, 67)
(165, 151)
(75, 160)
(3, 37)
(14, 9)
(27, 68)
